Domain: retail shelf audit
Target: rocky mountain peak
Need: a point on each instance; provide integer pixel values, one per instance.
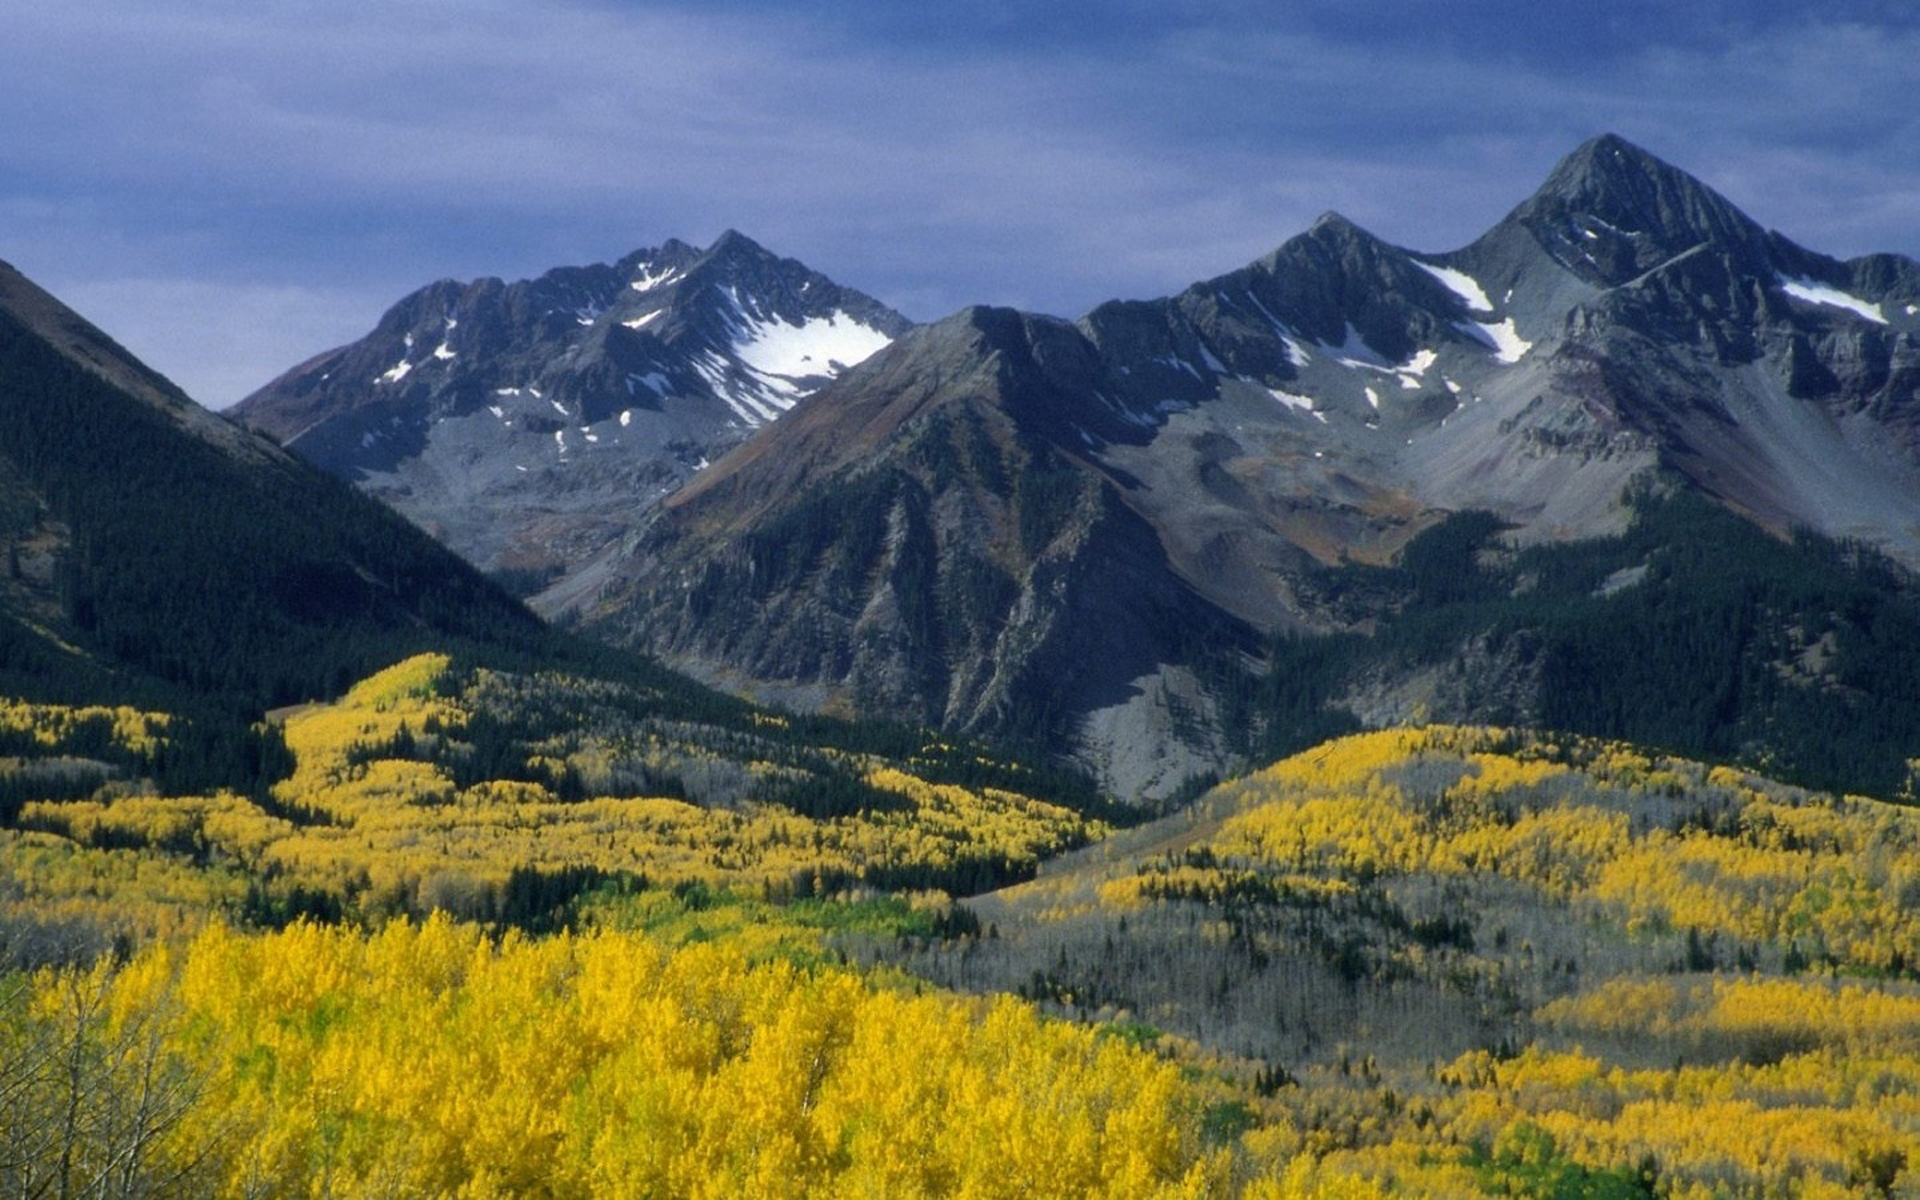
(733, 244)
(529, 423)
(1334, 224)
(1338, 284)
(1611, 211)
(1331, 237)
(679, 265)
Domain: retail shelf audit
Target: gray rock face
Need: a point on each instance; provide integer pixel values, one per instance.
(1007, 523)
(529, 424)
(926, 548)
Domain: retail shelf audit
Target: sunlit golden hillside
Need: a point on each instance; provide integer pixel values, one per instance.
(506, 934)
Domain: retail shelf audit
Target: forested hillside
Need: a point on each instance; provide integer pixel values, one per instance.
(528, 932)
(156, 556)
(500, 797)
(1548, 958)
(1692, 631)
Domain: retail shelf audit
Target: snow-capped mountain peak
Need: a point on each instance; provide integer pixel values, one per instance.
(481, 408)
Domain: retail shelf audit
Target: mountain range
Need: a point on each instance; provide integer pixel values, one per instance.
(1088, 533)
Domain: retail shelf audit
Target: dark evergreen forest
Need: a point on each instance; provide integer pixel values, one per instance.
(1694, 631)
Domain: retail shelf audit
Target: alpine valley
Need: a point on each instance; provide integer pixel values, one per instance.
(1348, 484)
(1376, 723)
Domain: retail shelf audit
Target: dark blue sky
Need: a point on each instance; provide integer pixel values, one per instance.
(230, 186)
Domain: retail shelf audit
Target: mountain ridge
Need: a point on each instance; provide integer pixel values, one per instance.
(84, 344)
(1325, 404)
(527, 424)
(942, 530)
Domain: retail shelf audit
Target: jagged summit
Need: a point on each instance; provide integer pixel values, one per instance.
(1611, 211)
(997, 480)
(733, 243)
(530, 423)
(1336, 223)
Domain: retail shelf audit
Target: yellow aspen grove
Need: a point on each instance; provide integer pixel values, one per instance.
(481, 939)
(427, 1059)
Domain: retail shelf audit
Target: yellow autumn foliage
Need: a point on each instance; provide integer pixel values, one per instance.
(388, 832)
(53, 726)
(425, 1059)
(1837, 877)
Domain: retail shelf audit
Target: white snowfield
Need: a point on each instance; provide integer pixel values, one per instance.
(821, 346)
(1460, 284)
(1355, 352)
(652, 380)
(1293, 400)
(1820, 293)
(1503, 338)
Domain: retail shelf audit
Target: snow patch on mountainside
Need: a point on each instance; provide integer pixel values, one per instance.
(1354, 352)
(1292, 400)
(647, 281)
(652, 380)
(1413, 372)
(1501, 337)
(1296, 349)
(753, 405)
(819, 346)
(1820, 293)
(1460, 284)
